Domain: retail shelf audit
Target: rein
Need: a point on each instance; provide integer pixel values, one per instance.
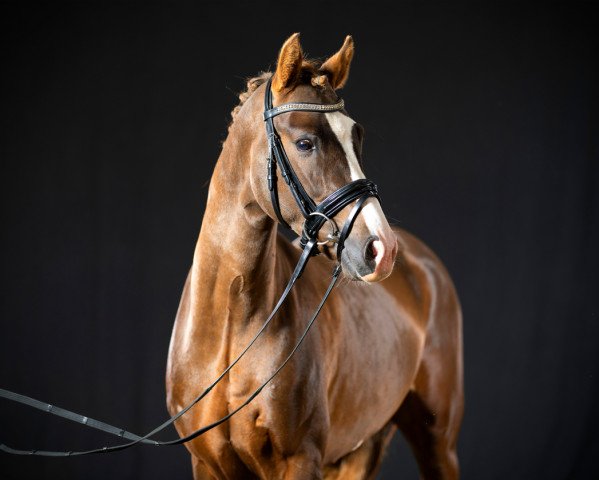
(316, 215)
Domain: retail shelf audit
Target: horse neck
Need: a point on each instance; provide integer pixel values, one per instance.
(235, 255)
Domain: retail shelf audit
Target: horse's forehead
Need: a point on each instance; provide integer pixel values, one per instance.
(321, 123)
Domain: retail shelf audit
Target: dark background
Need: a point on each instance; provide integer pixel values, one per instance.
(482, 133)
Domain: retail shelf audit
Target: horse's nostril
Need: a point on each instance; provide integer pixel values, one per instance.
(370, 251)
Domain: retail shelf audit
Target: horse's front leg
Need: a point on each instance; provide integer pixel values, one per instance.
(303, 466)
(299, 453)
(280, 441)
(200, 471)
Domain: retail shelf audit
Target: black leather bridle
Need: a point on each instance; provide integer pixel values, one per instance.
(316, 215)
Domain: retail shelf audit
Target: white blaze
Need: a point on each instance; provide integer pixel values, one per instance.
(342, 127)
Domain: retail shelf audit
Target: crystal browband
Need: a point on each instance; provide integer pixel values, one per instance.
(304, 107)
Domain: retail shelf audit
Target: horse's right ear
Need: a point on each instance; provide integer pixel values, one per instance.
(289, 64)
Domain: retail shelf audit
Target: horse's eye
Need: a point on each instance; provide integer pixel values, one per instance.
(304, 145)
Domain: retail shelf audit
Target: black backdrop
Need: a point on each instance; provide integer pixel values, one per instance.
(482, 133)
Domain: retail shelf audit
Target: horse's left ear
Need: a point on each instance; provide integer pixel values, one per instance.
(336, 68)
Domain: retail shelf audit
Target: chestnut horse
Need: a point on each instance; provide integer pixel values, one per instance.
(386, 351)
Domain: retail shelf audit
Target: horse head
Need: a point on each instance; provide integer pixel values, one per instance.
(324, 150)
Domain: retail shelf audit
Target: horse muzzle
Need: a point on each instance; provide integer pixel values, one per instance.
(371, 259)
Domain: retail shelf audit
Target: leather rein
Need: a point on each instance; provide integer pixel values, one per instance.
(316, 215)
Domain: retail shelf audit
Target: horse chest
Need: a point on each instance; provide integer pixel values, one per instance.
(377, 351)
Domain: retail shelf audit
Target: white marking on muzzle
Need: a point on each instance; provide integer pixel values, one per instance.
(342, 126)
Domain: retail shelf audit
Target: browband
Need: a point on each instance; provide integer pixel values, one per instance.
(304, 107)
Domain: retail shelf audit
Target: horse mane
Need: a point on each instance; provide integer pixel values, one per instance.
(252, 85)
(309, 73)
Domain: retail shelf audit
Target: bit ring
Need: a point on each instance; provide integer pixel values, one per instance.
(332, 237)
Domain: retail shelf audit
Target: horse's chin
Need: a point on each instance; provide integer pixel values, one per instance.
(351, 273)
(375, 277)
(378, 275)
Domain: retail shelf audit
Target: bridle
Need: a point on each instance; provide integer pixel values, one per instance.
(316, 215)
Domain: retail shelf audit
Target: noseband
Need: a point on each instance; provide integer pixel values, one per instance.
(316, 215)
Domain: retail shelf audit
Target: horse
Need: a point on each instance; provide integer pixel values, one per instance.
(386, 351)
